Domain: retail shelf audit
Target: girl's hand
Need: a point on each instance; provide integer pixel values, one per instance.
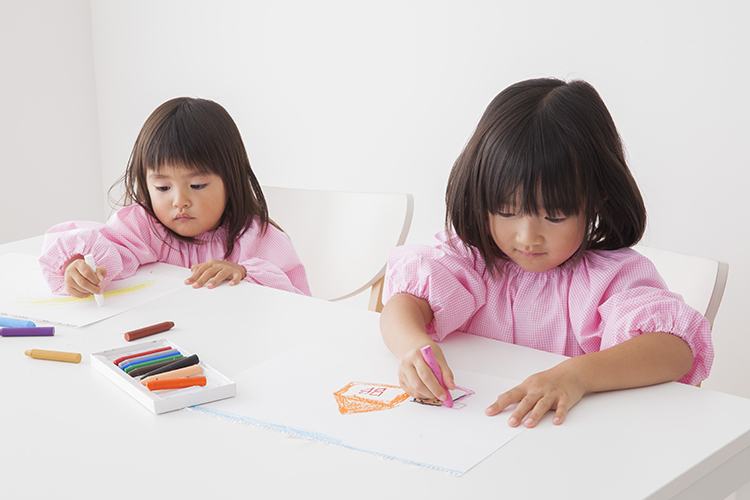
(417, 379)
(558, 388)
(214, 272)
(81, 281)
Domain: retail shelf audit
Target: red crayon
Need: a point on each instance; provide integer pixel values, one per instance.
(149, 330)
(139, 354)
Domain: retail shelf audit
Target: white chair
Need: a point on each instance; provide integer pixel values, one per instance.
(342, 238)
(700, 281)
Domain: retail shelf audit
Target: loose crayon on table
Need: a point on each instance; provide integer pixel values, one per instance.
(149, 330)
(143, 370)
(175, 383)
(69, 357)
(139, 354)
(188, 371)
(147, 357)
(16, 323)
(35, 331)
(180, 363)
(152, 362)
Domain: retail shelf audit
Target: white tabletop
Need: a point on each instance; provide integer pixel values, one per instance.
(68, 431)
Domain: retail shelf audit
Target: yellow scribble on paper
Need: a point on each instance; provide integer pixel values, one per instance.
(107, 295)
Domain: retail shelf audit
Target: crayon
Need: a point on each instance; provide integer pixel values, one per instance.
(89, 260)
(143, 370)
(139, 354)
(36, 331)
(152, 362)
(429, 358)
(180, 372)
(16, 323)
(180, 363)
(175, 383)
(70, 357)
(147, 357)
(149, 330)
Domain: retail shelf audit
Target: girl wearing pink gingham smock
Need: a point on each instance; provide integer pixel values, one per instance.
(192, 201)
(541, 210)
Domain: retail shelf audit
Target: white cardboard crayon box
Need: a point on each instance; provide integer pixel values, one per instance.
(217, 385)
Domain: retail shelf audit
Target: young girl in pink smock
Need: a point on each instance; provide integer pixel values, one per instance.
(541, 210)
(192, 200)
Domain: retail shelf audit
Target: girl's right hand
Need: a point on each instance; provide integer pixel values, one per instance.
(417, 379)
(81, 281)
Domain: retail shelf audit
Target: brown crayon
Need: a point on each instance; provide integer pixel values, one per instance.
(149, 330)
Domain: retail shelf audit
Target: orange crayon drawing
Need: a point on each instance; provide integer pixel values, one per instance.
(360, 397)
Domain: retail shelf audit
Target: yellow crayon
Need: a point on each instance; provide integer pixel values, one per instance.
(70, 357)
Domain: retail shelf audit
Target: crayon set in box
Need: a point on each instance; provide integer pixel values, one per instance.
(118, 365)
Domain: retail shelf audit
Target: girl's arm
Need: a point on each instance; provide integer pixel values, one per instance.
(403, 325)
(650, 358)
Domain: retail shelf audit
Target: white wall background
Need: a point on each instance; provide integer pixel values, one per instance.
(381, 96)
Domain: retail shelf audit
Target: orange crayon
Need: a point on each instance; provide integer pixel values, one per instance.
(175, 383)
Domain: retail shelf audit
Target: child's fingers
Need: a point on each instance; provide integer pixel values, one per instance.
(222, 275)
(202, 273)
(411, 380)
(430, 382)
(80, 280)
(540, 408)
(444, 368)
(560, 413)
(504, 400)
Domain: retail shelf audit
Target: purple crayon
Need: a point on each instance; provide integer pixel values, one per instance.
(37, 331)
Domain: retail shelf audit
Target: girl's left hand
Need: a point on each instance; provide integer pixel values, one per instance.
(558, 388)
(214, 272)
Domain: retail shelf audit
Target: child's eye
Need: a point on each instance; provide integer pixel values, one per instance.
(555, 220)
(198, 186)
(506, 215)
(162, 188)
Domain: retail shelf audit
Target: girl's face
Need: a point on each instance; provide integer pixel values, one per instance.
(185, 201)
(537, 242)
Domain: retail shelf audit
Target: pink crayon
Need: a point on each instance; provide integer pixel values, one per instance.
(429, 358)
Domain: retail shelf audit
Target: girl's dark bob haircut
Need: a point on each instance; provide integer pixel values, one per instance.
(545, 145)
(197, 134)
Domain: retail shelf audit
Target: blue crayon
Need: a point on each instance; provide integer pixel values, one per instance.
(152, 357)
(151, 362)
(16, 323)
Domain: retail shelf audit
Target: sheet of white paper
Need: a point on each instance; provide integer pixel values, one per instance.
(26, 295)
(294, 393)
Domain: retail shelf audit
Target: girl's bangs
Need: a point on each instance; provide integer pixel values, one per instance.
(175, 146)
(530, 180)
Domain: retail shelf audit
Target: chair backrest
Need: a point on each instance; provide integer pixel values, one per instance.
(342, 238)
(700, 281)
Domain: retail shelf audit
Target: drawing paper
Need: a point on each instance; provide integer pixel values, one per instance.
(29, 297)
(295, 393)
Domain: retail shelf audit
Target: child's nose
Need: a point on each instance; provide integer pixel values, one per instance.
(528, 233)
(180, 200)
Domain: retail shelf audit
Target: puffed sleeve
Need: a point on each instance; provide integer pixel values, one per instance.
(270, 260)
(448, 277)
(120, 246)
(625, 297)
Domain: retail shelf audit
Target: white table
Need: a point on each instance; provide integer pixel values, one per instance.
(66, 431)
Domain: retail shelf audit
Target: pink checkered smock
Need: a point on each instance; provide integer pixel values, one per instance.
(606, 298)
(132, 238)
